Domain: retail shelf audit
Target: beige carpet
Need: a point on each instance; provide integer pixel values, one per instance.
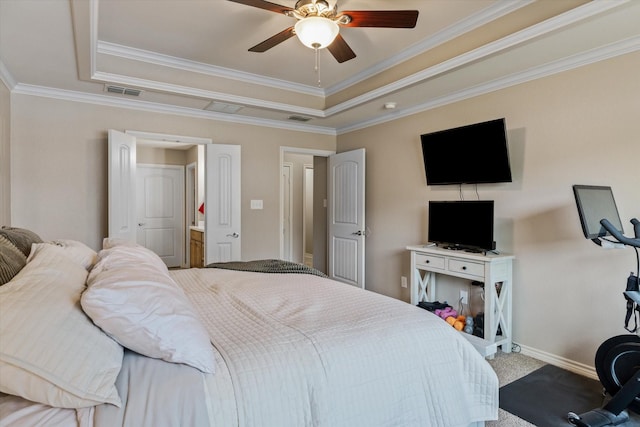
(509, 367)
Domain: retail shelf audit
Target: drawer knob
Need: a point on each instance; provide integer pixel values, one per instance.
(464, 267)
(428, 261)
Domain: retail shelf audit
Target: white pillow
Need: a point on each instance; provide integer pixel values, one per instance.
(51, 352)
(77, 251)
(110, 242)
(125, 254)
(138, 304)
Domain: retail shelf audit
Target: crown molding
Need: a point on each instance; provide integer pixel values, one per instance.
(575, 15)
(6, 77)
(595, 55)
(202, 93)
(576, 61)
(487, 15)
(112, 101)
(93, 34)
(84, 15)
(141, 55)
(474, 21)
(568, 18)
(155, 58)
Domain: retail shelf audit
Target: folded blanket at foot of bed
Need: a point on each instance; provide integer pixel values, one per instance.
(267, 266)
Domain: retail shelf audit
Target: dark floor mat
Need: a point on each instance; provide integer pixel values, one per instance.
(545, 396)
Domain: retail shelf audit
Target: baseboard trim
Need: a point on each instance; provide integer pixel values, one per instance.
(561, 362)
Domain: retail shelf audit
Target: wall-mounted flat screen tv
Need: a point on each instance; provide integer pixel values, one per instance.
(472, 154)
(465, 224)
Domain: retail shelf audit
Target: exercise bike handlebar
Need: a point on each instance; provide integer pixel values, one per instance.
(621, 237)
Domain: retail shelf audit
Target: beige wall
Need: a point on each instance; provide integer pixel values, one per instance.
(578, 127)
(161, 156)
(59, 167)
(5, 170)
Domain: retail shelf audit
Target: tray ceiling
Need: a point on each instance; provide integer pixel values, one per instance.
(191, 56)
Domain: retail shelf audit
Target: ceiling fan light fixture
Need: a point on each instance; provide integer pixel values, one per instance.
(316, 32)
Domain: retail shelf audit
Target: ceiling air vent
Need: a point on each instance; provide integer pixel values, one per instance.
(122, 90)
(222, 107)
(296, 118)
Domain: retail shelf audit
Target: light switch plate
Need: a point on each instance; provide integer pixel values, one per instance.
(256, 204)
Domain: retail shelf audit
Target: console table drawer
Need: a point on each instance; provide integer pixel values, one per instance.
(431, 261)
(467, 267)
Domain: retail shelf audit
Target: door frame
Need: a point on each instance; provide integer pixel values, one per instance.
(190, 188)
(294, 150)
(305, 198)
(173, 140)
(287, 242)
(178, 139)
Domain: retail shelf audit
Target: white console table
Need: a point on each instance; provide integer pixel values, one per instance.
(495, 271)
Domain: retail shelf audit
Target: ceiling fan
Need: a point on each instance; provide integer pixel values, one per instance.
(318, 24)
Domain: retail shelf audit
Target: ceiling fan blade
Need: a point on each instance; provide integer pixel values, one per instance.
(273, 41)
(341, 50)
(264, 5)
(382, 18)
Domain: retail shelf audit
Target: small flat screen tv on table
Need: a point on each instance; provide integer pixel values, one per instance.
(465, 224)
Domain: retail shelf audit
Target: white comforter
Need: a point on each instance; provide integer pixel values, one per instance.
(296, 350)
(305, 351)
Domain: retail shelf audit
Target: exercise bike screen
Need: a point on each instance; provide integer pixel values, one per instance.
(594, 204)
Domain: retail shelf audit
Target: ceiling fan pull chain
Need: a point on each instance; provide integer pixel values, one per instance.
(317, 67)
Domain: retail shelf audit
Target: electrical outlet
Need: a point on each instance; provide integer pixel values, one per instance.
(464, 297)
(403, 282)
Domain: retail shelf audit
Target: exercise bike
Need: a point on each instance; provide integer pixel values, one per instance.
(617, 360)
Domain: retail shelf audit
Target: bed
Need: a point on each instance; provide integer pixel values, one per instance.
(114, 338)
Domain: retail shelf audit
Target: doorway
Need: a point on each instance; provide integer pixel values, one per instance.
(160, 211)
(166, 197)
(338, 213)
(303, 205)
(221, 225)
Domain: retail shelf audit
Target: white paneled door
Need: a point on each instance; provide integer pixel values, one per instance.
(346, 217)
(222, 208)
(121, 178)
(160, 211)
